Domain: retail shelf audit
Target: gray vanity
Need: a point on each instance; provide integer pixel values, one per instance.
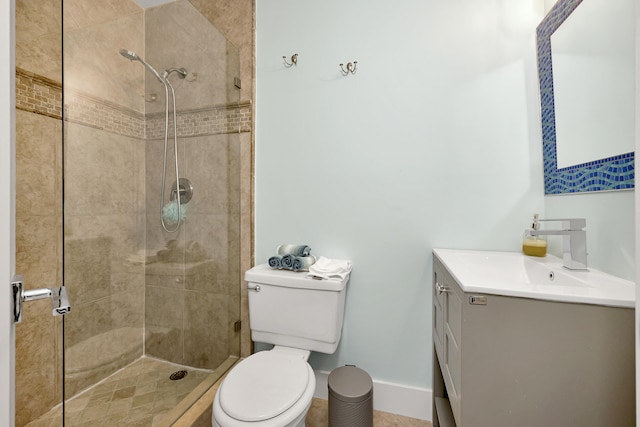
(543, 347)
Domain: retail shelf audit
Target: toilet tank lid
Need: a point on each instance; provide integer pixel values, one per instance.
(293, 279)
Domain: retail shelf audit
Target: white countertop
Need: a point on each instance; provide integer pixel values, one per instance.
(518, 275)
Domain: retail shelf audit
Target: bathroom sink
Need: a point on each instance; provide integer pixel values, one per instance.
(518, 275)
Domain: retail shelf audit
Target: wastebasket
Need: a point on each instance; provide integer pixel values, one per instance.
(350, 397)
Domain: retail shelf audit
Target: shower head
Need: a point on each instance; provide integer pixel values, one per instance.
(132, 56)
(129, 54)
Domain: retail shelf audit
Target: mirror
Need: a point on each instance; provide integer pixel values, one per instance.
(595, 44)
(587, 77)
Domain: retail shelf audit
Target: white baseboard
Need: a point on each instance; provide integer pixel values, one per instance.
(396, 399)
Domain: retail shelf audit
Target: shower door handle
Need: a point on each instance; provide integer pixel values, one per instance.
(59, 298)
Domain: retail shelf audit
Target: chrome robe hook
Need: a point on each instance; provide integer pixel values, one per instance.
(351, 68)
(294, 60)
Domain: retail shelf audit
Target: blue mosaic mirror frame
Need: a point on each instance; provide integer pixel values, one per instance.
(611, 173)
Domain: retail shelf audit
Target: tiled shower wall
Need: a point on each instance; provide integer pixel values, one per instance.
(114, 135)
(39, 259)
(190, 310)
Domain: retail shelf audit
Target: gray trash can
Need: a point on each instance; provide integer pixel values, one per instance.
(350, 397)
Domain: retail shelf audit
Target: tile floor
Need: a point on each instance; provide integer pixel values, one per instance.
(141, 394)
(318, 416)
(138, 395)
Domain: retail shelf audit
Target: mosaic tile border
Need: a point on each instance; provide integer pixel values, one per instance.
(101, 114)
(218, 119)
(612, 173)
(39, 95)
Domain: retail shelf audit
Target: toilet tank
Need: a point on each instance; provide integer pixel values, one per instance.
(287, 308)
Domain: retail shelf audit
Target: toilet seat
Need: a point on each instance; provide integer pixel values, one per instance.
(264, 386)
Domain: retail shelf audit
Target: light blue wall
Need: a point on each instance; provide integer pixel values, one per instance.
(434, 142)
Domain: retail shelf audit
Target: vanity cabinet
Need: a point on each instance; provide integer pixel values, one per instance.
(503, 361)
(447, 305)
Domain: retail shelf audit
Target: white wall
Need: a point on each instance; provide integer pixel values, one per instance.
(434, 142)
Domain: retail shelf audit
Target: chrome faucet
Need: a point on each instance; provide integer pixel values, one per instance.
(574, 245)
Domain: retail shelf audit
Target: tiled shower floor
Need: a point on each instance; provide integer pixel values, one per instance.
(137, 395)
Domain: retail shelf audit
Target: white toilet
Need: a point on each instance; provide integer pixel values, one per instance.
(299, 315)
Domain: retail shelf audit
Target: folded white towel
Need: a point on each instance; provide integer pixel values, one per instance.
(325, 268)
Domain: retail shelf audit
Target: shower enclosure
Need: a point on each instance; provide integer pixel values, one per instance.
(155, 311)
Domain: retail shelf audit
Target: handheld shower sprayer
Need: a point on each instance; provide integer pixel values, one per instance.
(132, 56)
(174, 211)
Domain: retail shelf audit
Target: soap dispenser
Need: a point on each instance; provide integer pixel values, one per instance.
(534, 245)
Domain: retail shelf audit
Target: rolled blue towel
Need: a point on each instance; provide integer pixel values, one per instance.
(287, 261)
(295, 250)
(275, 261)
(302, 263)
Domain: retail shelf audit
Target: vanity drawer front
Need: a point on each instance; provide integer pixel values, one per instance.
(438, 313)
(453, 309)
(452, 375)
(453, 345)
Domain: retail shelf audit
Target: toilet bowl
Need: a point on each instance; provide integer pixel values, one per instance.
(267, 389)
(297, 314)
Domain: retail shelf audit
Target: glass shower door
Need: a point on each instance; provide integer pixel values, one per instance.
(154, 310)
(38, 183)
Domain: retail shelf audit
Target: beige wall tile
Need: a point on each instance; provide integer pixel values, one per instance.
(35, 18)
(127, 236)
(234, 18)
(127, 310)
(177, 35)
(164, 314)
(36, 250)
(38, 37)
(93, 64)
(88, 320)
(82, 14)
(208, 161)
(36, 164)
(91, 190)
(206, 339)
(37, 385)
(44, 55)
(88, 269)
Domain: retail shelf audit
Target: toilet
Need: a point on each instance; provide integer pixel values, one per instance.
(298, 315)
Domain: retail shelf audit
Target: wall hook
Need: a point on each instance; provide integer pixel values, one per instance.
(294, 60)
(351, 68)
